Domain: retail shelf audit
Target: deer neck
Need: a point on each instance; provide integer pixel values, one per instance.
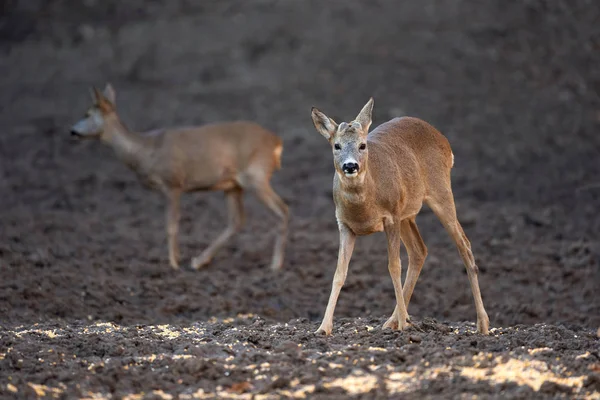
(355, 191)
(130, 147)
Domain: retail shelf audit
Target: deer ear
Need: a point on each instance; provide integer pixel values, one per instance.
(101, 102)
(364, 117)
(95, 93)
(110, 94)
(324, 125)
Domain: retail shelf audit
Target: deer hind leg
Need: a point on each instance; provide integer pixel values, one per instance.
(257, 179)
(173, 226)
(267, 195)
(417, 252)
(235, 222)
(442, 204)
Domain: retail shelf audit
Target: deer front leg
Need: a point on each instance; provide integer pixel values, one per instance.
(347, 240)
(399, 318)
(173, 227)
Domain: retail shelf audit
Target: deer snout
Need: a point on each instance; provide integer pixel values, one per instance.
(350, 168)
(75, 133)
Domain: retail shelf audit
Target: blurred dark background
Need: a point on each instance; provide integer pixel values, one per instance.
(514, 85)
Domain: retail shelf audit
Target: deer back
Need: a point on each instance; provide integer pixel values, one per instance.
(212, 157)
(407, 157)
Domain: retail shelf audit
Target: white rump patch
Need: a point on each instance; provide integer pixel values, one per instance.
(278, 150)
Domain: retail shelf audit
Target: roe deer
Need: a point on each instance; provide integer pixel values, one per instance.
(381, 180)
(229, 157)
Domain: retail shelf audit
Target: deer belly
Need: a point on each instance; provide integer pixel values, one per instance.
(210, 186)
(223, 179)
(224, 185)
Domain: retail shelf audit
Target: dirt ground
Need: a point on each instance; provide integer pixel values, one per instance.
(89, 306)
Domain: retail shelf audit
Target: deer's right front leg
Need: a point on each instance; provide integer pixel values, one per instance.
(173, 227)
(347, 240)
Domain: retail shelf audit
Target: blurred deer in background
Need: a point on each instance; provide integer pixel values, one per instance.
(230, 157)
(381, 180)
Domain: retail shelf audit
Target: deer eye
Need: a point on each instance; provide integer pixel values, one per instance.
(337, 146)
(362, 146)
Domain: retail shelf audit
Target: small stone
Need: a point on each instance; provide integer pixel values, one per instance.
(415, 338)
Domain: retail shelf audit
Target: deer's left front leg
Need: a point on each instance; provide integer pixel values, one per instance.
(399, 318)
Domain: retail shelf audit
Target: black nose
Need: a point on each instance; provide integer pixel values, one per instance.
(74, 133)
(350, 168)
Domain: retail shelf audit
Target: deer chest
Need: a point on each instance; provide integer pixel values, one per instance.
(361, 221)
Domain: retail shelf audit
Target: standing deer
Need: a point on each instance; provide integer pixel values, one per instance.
(229, 157)
(381, 180)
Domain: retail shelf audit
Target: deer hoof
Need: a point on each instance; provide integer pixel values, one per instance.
(403, 326)
(199, 262)
(277, 263)
(483, 326)
(174, 265)
(391, 323)
(324, 330)
(276, 267)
